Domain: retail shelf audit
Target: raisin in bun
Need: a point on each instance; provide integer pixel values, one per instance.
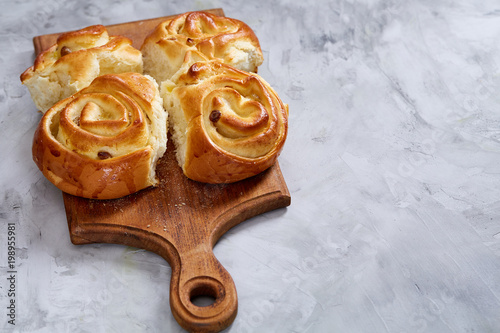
(227, 124)
(206, 35)
(75, 60)
(104, 141)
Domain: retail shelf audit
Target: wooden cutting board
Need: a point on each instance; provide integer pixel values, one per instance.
(180, 220)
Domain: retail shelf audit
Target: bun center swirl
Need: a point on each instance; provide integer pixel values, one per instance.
(239, 112)
(201, 25)
(237, 116)
(101, 123)
(247, 123)
(99, 114)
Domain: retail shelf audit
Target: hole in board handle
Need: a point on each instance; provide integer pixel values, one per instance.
(203, 296)
(202, 301)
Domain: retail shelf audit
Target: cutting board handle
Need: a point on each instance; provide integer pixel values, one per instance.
(199, 274)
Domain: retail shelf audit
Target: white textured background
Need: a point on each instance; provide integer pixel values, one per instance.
(392, 161)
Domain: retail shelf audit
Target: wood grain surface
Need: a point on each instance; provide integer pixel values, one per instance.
(181, 220)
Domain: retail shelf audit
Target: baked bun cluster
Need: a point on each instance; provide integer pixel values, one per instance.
(77, 58)
(201, 35)
(104, 141)
(105, 120)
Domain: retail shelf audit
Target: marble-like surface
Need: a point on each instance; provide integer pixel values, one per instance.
(392, 161)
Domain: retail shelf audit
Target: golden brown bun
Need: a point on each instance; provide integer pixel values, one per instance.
(227, 124)
(205, 35)
(104, 141)
(75, 60)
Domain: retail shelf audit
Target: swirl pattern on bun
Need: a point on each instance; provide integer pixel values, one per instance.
(207, 36)
(77, 58)
(226, 124)
(104, 141)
